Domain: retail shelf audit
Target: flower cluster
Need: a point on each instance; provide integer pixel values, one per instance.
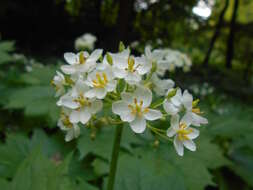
(132, 88)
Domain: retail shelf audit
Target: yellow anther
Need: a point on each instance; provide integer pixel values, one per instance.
(146, 110)
(196, 110)
(131, 63)
(100, 82)
(137, 108)
(82, 101)
(66, 122)
(57, 87)
(105, 77)
(82, 59)
(183, 132)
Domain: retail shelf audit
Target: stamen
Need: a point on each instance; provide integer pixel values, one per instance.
(101, 81)
(82, 58)
(131, 63)
(183, 132)
(196, 110)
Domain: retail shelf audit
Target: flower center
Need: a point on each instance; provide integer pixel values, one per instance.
(82, 58)
(57, 87)
(83, 101)
(66, 122)
(100, 81)
(137, 108)
(183, 132)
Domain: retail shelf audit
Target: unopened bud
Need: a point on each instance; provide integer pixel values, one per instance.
(172, 93)
(109, 58)
(195, 103)
(121, 46)
(154, 67)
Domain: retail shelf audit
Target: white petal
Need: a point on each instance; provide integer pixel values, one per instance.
(187, 100)
(194, 134)
(91, 93)
(174, 122)
(142, 65)
(143, 94)
(95, 55)
(189, 144)
(187, 119)
(84, 115)
(111, 86)
(170, 108)
(132, 78)
(127, 97)
(76, 131)
(71, 58)
(120, 60)
(68, 69)
(70, 135)
(67, 102)
(74, 116)
(138, 125)
(120, 107)
(96, 106)
(100, 93)
(153, 115)
(178, 146)
(177, 99)
(81, 86)
(128, 117)
(148, 52)
(119, 73)
(198, 120)
(171, 132)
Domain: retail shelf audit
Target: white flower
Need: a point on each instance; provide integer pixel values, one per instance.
(156, 56)
(153, 56)
(82, 108)
(183, 134)
(81, 62)
(59, 82)
(161, 86)
(102, 81)
(192, 112)
(134, 108)
(72, 129)
(129, 67)
(85, 41)
(173, 105)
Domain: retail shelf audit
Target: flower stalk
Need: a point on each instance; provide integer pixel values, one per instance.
(114, 157)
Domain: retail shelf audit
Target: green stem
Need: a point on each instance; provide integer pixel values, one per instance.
(114, 157)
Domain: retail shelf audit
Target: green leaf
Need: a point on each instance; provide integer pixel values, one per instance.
(100, 146)
(12, 153)
(243, 163)
(35, 100)
(6, 46)
(100, 167)
(37, 172)
(4, 184)
(147, 172)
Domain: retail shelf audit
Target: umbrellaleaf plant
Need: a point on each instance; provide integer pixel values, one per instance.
(134, 89)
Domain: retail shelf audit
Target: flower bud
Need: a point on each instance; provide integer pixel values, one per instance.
(154, 67)
(195, 103)
(172, 93)
(109, 58)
